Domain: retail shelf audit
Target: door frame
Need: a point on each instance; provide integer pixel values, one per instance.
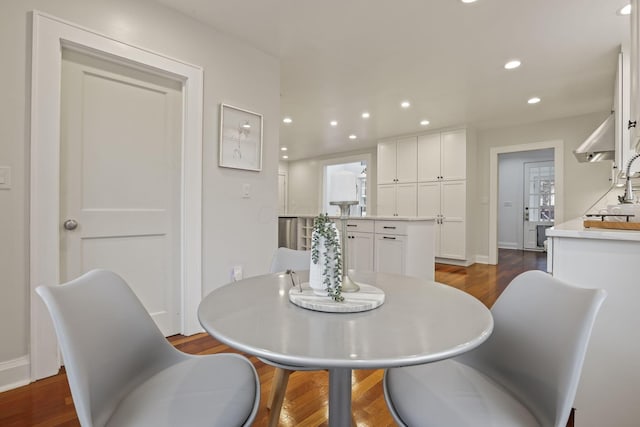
(50, 35)
(558, 162)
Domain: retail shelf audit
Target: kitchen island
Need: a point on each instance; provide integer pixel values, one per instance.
(395, 245)
(608, 259)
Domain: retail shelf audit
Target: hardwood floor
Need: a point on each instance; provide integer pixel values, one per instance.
(48, 402)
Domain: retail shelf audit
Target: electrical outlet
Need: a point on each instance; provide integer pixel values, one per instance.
(236, 273)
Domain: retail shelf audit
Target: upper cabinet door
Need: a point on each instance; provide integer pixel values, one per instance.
(429, 157)
(387, 163)
(454, 155)
(406, 163)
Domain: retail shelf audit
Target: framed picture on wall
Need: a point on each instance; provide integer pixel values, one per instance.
(240, 138)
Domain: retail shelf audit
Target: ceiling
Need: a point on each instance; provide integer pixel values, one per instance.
(340, 58)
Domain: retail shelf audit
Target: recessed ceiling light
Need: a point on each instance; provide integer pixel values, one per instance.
(333, 123)
(468, 1)
(285, 157)
(626, 10)
(352, 136)
(512, 64)
(287, 120)
(283, 148)
(365, 115)
(405, 104)
(533, 100)
(424, 122)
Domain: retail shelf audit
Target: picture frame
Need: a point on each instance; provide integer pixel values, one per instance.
(240, 138)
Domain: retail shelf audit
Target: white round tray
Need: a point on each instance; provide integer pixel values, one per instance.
(367, 298)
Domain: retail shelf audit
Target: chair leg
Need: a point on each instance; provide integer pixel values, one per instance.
(276, 395)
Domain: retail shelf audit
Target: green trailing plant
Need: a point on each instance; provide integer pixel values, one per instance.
(332, 268)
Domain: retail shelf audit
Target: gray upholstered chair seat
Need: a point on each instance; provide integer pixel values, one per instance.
(182, 395)
(450, 393)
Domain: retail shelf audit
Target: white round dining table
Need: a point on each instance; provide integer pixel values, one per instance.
(419, 322)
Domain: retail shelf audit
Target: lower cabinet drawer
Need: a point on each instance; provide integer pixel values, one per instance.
(391, 227)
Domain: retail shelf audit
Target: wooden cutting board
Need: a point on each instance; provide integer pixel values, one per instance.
(612, 225)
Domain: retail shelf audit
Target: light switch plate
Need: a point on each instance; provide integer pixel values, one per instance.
(246, 191)
(5, 177)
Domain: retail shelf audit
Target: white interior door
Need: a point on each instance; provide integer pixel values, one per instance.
(282, 193)
(120, 179)
(539, 200)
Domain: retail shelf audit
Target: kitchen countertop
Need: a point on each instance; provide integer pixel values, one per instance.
(376, 218)
(575, 229)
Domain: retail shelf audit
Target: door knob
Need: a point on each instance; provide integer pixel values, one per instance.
(70, 224)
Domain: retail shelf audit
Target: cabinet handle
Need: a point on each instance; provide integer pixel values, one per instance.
(389, 227)
(388, 238)
(351, 225)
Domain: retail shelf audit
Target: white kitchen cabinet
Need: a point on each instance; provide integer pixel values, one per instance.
(397, 161)
(404, 247)
(360, 245)
(397, 199)
(442, 156)
(597, 258)
(391, 253)
(445, 201)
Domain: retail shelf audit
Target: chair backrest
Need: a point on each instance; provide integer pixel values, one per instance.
(541, 331)
(109, 342)
(285, 259)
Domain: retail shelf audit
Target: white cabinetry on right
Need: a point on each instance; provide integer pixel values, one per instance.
(397, 177)
(446, 202)
(442, 189)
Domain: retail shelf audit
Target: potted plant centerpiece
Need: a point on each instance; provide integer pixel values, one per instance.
(325, 276)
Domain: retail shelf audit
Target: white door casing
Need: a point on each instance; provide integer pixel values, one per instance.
(558, 163)
(120, 179)
(50, 35)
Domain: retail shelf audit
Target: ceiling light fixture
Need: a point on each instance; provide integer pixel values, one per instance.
(512, 64)
(365, 115)
(352, 136)
(405, 104)
(625, 10)
(283, 148)
(424, 122)
(287, 120)
(533, 100)
(285, 157)
(468, 1)
(333, 123)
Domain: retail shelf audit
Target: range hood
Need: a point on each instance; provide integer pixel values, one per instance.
(600, 145)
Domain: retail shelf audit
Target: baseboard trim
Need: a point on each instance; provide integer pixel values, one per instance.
(461, 263)
(482, 259)
(509, 245)
(14, 373)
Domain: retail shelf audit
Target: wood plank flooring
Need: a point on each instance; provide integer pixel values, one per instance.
(48, 402)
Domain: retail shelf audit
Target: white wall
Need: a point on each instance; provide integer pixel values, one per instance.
(235, 230)
(584, 183)
(511, 195)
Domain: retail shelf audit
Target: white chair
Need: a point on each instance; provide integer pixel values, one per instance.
(284, 259)
(123, 372)
(525, 374)
(290, 259)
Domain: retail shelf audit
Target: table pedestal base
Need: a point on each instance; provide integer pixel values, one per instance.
(339, 397)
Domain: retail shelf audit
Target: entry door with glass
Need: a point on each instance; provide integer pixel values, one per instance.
(539, 202)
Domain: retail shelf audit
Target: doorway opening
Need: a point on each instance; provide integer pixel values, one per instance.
(354, 167)
(526, 198)
(558, 186)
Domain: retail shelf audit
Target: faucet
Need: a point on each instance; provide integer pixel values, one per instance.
(628, 191)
